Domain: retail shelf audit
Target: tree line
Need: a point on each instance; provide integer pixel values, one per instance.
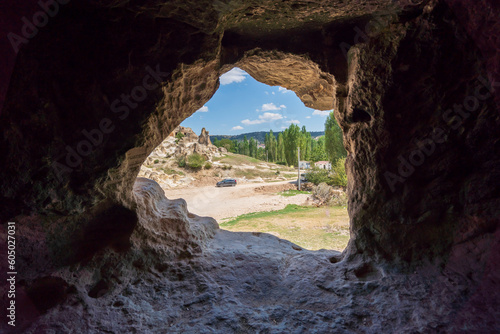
(283, 148)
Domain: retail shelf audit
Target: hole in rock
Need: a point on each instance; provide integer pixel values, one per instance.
(47, 292)
(360, 116)
(235, 159)
(367, 273)
(99, 289)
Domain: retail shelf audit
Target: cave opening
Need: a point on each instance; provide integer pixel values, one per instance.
(250, 135)
(413, 85)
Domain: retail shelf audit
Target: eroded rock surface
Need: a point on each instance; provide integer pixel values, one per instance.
(98, 88)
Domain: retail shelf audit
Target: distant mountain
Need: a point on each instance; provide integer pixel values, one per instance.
(259, 136)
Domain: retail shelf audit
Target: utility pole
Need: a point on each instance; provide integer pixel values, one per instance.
(298, 166)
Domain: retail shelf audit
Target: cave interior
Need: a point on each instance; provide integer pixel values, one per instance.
(88, 94)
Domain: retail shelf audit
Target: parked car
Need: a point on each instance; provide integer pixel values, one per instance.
(303, 177)
(226, 183)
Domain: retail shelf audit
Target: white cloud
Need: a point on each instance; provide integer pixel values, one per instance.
(273, 93)
(321, 112)
(308, 116)
(283, 90)
(203, 109)
(237, 127)
(235, 75)
(264, 118)
(293, 121)
(271, 106)
(269, 116)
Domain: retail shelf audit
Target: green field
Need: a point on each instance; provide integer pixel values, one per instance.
(309, 227)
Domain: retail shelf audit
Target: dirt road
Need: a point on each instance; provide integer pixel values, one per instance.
(223, 203)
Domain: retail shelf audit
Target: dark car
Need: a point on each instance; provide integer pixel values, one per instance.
(227, 183)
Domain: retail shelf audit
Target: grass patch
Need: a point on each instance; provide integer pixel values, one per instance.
(290, 193)
(265, 214)
(309, 227)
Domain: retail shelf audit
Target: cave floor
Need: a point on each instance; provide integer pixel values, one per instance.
(257, 283)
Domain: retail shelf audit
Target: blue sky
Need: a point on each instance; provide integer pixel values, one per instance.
(242, 104)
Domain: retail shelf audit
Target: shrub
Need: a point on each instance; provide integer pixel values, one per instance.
(208, 165)
(325, 194)
(340, 176)
(226, 167)
(181, 161)
(178, 137)
(195, 161)
(157, 161)
(322, 193)
(318, 176)
(339, 198)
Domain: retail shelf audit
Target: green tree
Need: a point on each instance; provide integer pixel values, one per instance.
(228, 144)
(291, 140)
(261, 153)
(271, 146)
(339, 173)
(236, 146)
(280, 148)
(252, 147)
(334, 142)
(246, 146)
(305, 144)
(318, 151)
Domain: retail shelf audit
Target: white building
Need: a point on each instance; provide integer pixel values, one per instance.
(304, 165)
(323, 165)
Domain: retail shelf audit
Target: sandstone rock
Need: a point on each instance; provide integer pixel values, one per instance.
(424, 239)
(204, 138)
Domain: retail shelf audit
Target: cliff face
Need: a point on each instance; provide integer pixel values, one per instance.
(414, 85)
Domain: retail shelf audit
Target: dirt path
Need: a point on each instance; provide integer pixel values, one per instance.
(223, 203)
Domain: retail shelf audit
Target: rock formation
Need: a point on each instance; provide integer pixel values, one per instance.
(204, 138)
(190, 143)
(414, 86)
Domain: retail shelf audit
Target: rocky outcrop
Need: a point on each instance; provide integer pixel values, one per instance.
(188, 134)
(166, 156)
(415, 89)
(204, 138)
(187, 144)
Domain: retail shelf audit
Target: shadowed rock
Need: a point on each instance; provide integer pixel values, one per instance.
(414, 86)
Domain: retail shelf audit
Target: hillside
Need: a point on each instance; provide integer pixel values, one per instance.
(162, 165)
(259, 136)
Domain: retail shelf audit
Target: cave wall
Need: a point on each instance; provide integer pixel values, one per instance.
(419, 118)
(392, 84)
